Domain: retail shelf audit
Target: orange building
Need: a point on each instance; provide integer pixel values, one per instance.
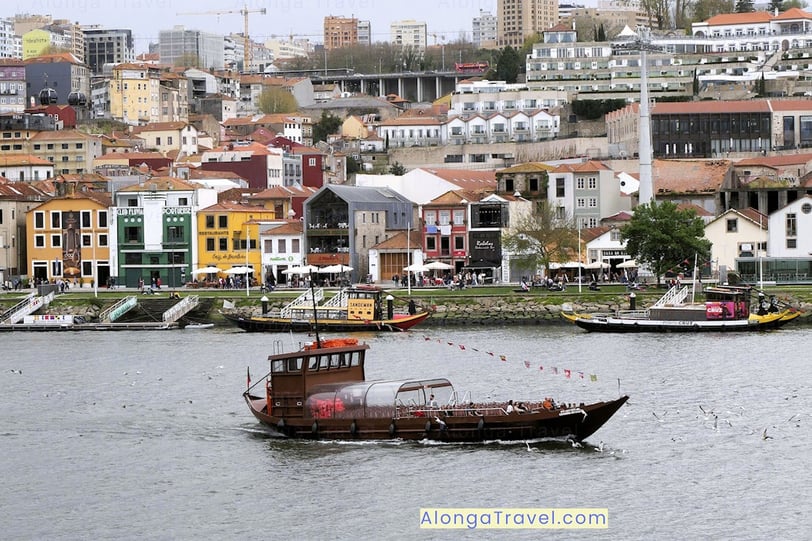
(67, 239)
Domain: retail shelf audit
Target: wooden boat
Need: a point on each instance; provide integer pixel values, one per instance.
(726, 309)
(357, 308)
(320, 392)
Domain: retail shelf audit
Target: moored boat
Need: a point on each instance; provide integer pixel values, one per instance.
(320, 392)
(358, 308)
(726, 309)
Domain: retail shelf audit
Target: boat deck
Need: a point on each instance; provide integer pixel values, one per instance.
(134, 326)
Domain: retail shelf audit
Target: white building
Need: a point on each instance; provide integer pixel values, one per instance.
(408, 33)
(789, 229)
(585, 192)
(282, 244)
(737, 233)
(11, 45)
(484, 30)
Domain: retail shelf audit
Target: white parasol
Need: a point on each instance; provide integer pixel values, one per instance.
(416, 267)
(306, 269)
(334, 269)
(597, 265)
(438, 265)
(206, 270)
(628, 264)
(239, 270)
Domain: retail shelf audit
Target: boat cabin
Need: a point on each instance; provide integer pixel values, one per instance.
(727, 302)
(292, 375)
(364, 303)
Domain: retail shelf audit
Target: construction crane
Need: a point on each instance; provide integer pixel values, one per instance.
(248, 50)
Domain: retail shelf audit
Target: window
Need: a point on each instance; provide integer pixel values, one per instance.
(580, 203)
(39, 241)
(222, 222)
(39, 220)
(792, 243)
(169, 140)
(87, 240)
(132, 234)
(559, 187)
(282, 246)
(445, 217)
(102, 217)
(294, 246)
(183, 201)
(175, 233)
(311, 162)
(56, 241)
(85, 219)
(132, 202)
(56, 219)
(459, 217)
(431, 217)
(209, 221)
(431, 244)
(592, 183)
(157, 141)
(732, 225)
(792, 226)
(102, 240)
(580, 183)
(459, 242)
(222, 244)
(209, 245)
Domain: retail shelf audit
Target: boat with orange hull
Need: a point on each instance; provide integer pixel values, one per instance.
(320, 392)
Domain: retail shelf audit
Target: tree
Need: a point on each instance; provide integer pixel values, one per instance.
(353, 166)
(326, 126)
(776, 5)
(744, 6)
(277, 100)
(663, 237)
(601, 33)
(540, 239)
(508, 65)
(705, 9)
(397, 169)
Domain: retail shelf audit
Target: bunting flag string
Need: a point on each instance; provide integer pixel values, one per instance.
(568, 373)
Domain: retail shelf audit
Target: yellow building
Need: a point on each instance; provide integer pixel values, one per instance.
(37, 42)
(354, 128)
(135, 94)
(228, 236)
(67, 239)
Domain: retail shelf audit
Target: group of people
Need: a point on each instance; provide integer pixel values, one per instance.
(516, 408)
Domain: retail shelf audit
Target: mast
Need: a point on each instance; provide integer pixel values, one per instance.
(315, 311)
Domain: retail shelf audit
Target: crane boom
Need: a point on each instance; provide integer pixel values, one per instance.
(247, 49)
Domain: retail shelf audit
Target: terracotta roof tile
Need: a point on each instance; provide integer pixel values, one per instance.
(689, 176)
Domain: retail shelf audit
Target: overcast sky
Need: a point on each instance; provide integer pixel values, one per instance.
(303, 18)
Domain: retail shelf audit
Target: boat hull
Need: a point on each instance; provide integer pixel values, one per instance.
(278, 324)
(576, 423)
(620, 325)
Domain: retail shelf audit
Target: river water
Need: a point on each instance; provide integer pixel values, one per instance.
(144, 435)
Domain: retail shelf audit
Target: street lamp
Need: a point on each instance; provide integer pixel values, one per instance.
(6, 266)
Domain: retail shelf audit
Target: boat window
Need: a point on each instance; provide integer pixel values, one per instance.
(334, 360)
(323, 362)
(313, 363)
(354, 360)
(278, 366)
(342, 360)
(295, 365)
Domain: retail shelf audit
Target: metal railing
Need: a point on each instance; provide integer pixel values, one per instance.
(186, 305)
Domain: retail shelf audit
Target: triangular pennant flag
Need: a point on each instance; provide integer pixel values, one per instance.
(462, 347)
(527, 364)
(567, 372)
(541, 367)
(593, 377)
(581, 375)
(503, 358)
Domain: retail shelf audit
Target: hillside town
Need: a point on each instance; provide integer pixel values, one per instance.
(218, 152)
